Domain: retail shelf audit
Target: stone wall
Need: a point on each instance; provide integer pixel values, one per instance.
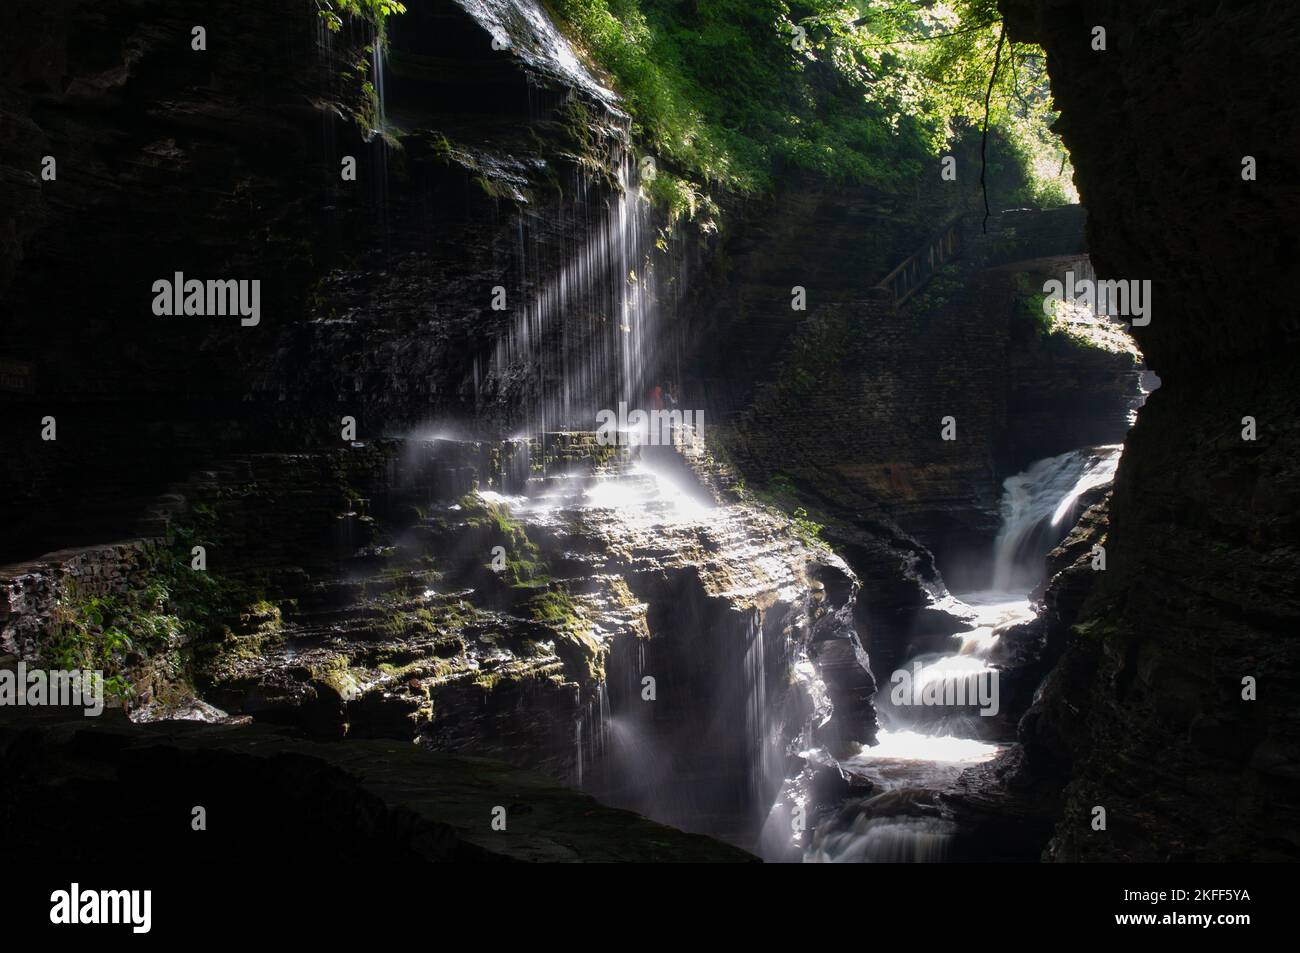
(30, 591)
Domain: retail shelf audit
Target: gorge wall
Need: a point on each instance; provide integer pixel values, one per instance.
(483, 167)
(1145, 713)
(225, 164)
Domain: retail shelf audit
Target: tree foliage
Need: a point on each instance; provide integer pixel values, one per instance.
(376, 11)
(731, 93)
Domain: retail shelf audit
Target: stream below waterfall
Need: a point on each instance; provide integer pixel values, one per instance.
(926, 740)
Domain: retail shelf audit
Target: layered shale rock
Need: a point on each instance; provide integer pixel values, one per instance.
(864, 387)
(591, 612)
(477, 168)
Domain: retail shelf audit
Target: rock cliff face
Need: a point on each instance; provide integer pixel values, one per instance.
(1146, 714)
(354, 590)
(850, 420)
(226, 163)
(348, 591)
(665, 648)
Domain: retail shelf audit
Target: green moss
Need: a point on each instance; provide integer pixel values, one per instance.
(171, 630)
(554, 607)
(481, 512)
(526, 574)
(337, 673)
(580, 652)
(420, 668)
(524, 566)
(263, 615)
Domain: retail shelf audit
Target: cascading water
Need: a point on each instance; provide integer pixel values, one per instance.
(1038, 508)
(898, 839)
(592, 731)
(757, 717)
(585, 339)
(525, 29)
(377, 70)
(585, 310)
(922, 748)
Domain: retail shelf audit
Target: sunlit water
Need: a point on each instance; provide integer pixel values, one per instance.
(921, 749)
(866, 839)
(899, 823)
(641, 495)
(1039, 508)
(994, 611)
(587, 336)
(905, 758)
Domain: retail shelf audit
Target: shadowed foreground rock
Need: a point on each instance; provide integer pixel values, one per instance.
(110, 791)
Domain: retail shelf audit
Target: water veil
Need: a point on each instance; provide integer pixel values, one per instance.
(585, 339)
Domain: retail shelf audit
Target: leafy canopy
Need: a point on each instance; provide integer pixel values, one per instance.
(729, 93)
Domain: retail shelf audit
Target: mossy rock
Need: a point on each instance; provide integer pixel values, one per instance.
(582, 654)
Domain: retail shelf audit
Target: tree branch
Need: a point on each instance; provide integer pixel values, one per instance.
(984, 140)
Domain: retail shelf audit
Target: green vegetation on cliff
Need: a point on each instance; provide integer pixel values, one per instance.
(376, 11)
(104, 633)
(149, 634)
(731, 93)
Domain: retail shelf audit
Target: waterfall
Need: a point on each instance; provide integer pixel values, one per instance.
(885, 840)
(582, 333)
(756, 712)
(577, 755)
(377, 70)
(525, 27)
(1038, 509)
(584, 338)
(590, 744)
(924, 747)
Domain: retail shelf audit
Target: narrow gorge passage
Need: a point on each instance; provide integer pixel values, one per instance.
(638, 431)
(939, 712)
